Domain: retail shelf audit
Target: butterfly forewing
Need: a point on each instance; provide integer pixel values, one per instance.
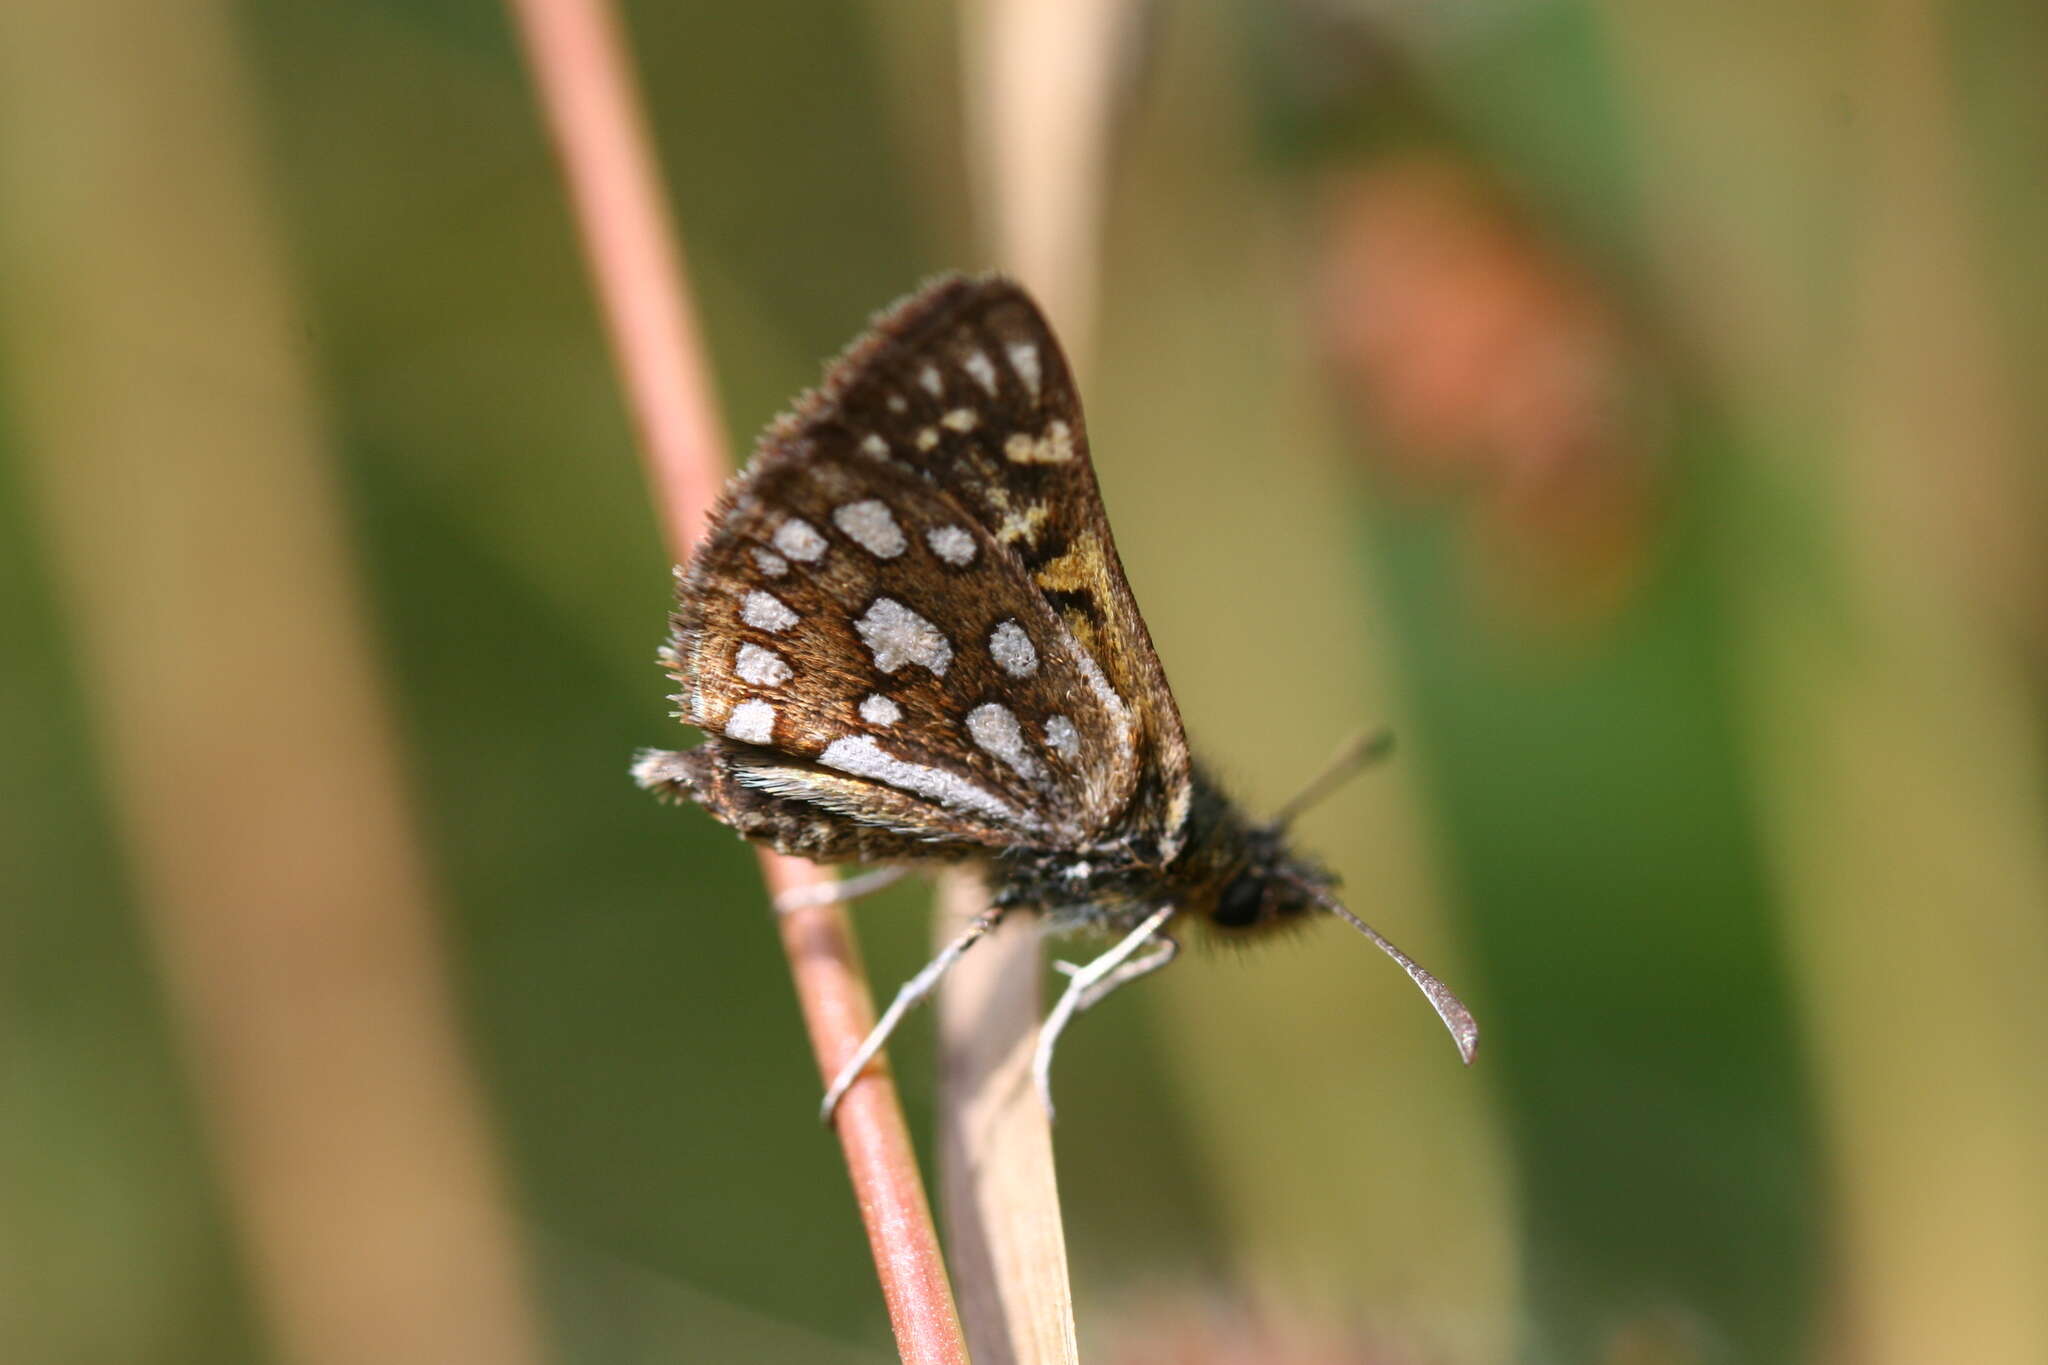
(965, 383)
(910, 613)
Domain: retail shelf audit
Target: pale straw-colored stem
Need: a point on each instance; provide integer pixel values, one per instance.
(592, 109)
(995, 1144)
(1040, 77)
(1041, 92)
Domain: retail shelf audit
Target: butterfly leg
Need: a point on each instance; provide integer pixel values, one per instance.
(839, 892)
(908, 998)
(1106, 972)
(1162, 951)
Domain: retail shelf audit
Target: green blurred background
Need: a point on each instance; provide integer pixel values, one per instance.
(1636, 406)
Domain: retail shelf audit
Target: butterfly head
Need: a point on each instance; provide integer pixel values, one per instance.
(1256, 880)
(1243, 879)
(1271, 887)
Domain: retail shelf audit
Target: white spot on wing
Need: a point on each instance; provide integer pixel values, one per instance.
(751, 722)
(1119, 714)
(898, 403)
(1063, 738)
(1098, 684)
(993, 727)
(799, 540)
(927, 437)
(1024, 360)
(896, 636)
(1013, 649)
(929, 377)
(954, 544)
(869, 523)
(1054, 445)
(861, 756)
(761, 666)
(1023, 525)
(960, 419)
(877, 709)
(770, 563)
(982, 368)
(766, 611)
(874, 445)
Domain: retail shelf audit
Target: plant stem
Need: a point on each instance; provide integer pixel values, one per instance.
(996, 1172)
(1040, 82)
(593, 114)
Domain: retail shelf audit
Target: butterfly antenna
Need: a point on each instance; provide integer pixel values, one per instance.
(1464, 1028)
(1361, 751)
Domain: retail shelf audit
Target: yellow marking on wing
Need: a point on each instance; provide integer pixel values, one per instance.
(1083, 630)
(1080, 569)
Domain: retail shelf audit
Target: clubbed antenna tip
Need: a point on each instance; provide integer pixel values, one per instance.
(1449, 1008)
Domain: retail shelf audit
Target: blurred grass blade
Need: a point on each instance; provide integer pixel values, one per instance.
(1897, 741)
(174, 443)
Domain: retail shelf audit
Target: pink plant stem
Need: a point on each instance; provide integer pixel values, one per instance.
(592, 111)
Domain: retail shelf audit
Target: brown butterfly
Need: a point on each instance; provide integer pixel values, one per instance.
(908, 639)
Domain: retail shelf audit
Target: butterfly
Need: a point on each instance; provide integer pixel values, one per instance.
(908, 640)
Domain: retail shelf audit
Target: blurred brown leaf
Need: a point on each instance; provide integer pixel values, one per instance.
(1492, 364)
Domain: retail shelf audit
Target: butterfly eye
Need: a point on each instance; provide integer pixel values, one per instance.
(1239, 905)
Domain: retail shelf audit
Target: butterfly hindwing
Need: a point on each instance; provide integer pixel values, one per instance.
(861, 643)
(709, 776)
